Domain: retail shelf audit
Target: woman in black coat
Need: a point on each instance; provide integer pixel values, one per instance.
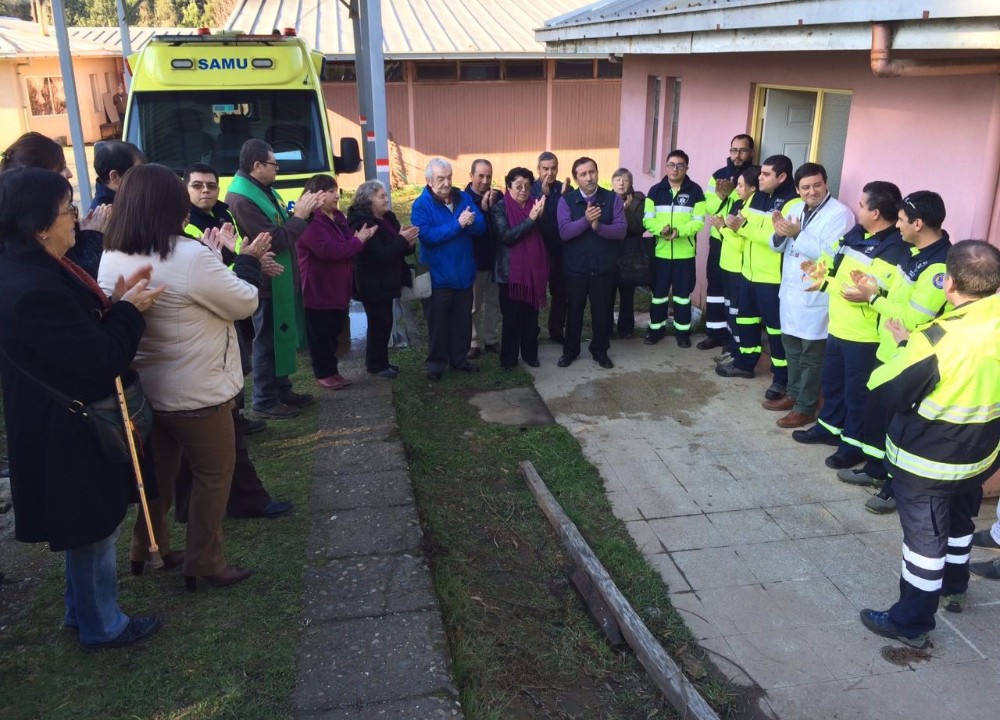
(379, 269)
(57, 328)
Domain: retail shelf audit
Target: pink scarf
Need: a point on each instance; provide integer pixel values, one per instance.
(528, 276)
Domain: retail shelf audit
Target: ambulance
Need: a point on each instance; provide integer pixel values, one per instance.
(198, 98)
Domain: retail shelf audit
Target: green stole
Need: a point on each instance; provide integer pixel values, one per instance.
(283, 300)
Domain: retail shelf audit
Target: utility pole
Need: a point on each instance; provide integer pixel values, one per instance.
(126, 41)
(370, 66)
(72, 101)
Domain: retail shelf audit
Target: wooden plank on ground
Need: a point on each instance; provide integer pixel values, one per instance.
(665, 673)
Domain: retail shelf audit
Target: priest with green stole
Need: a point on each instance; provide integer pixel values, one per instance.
(258, 208)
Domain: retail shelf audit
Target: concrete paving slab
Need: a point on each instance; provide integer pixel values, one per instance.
(778, 560)
(811, 601)
(747, 526)
(688, 532)
(377, 488)
(372, 660)
(421, 708)
(368, 585)
(763, 655)
(805, 521)
(369, 531)
(664, 564)
(708, 568)
(743, 609)
(625, 508)
(664, 501)
(517, 406)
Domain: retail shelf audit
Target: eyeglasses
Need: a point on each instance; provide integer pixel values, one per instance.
(270, 162)
(71, 210)
(197, 185)
(676, 166)
(740, 151)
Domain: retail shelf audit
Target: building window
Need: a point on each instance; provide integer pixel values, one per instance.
(46, 96)
(675, 113)
(95, 92)
(339, 72)
(395, 71)
(574, 69)
(524, 70)
(436, 71)
(653, 85)
(609, 70)
(481, 71)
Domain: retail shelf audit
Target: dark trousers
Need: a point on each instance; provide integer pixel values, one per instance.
(876, 423)
(716, 325)
(805, 371)
(732, 284)
(759, 305)
(600, 290)
(557, 296)
(626, 309)
(379, 316)
(847, 366)
(449, 328)
(677, 278)
(247, 495)
(937, 539)
(519, 335)
(323, 327)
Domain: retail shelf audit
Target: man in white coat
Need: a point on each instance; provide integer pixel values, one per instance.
(804, 231)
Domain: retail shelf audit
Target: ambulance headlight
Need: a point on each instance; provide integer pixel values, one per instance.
(182, 64)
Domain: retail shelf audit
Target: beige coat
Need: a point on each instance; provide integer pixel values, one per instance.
(188, 357)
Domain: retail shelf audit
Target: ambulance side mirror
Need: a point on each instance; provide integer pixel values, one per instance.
(349, 159)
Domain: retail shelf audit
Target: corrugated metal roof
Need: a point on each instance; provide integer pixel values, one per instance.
(21, 38)
(412, 29)
(110, 38)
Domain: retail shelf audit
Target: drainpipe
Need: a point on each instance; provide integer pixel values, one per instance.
(885, 67)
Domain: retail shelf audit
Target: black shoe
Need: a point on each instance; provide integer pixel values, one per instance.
(565, 361)
(604, 361)
(473, 353)
(275, 508)
(467, 368)
(709, 343)
(251, 427)
(983, 539)
(139, 627)
(683, 341)
(815, 436)
(989, 569)
(532, 363)
(279, 411)
(626, 334)
(775, 392)
(731, 371)
(388, 373)
(880, 624)
(841, 460)
(557, 339)
(492, 348)
(394, 367)
(653, 337)
(299, 400)
(434, 374)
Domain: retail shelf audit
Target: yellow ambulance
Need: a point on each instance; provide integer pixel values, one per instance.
(198, 98)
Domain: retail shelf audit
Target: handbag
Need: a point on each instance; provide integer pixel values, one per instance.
(421, 288)
(104, 416)
(635, 264)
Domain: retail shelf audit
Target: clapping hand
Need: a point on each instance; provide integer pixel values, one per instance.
(123, 284)
(96, 219)
(467, 217)
(716, 221)
(210, 239)
(410, 233)
(537, 208)
(269, 266)
(898, 330)
(735, 222)
(307, 203)
(260, 245)
(365, 232)
(724, 188)
(815, 270)
(784, 227)
(863, 289)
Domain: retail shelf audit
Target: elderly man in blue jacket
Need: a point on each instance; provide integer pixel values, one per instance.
(448, 222)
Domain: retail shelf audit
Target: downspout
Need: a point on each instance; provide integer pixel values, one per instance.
(885, 67)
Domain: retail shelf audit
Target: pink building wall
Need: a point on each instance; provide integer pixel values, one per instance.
(940, 134)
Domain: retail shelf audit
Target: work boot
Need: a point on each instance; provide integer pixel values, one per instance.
(880, 624)
(953, 603)
(989, 569)
(881, 504)
(983, 539)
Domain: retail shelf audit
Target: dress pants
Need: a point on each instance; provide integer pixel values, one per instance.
(208, 440)
(937, 540)
(759, 305)
(716, 320)
(449, 328)
(380, 316)
(600, 290)
(557, 296)
(323, 327)
(267, 386)
(626, 309)
(846, 369)
(92, 591)
(485, 310)
(805, 371)
(519, 335)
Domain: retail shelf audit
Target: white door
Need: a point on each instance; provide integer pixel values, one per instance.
(788, 124)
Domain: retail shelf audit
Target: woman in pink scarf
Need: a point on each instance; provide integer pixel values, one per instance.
(522, 268)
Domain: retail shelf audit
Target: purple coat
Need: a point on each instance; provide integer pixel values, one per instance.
(326, 262)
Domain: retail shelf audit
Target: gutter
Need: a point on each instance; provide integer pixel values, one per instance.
(884, 66)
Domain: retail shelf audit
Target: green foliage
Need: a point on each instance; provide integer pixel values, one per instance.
(141, 13)
(193, 15)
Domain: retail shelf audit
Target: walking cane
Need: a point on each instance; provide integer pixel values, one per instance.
(155, 561)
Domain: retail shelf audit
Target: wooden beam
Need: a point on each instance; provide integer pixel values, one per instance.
(665, 673)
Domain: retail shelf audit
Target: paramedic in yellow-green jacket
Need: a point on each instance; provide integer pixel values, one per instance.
(675, 212)
(943, 440)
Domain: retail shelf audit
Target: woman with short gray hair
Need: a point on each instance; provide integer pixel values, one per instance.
(380, 269)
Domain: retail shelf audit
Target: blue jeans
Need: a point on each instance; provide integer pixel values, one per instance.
(267, 387)
(92, 591)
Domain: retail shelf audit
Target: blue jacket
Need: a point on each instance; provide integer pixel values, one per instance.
(445, 246)
(103, 195)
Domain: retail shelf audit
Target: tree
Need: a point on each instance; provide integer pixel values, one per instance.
(193, 15)
(166, 13)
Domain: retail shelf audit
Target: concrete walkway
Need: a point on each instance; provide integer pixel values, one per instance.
(373, 644)
(766, 554)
